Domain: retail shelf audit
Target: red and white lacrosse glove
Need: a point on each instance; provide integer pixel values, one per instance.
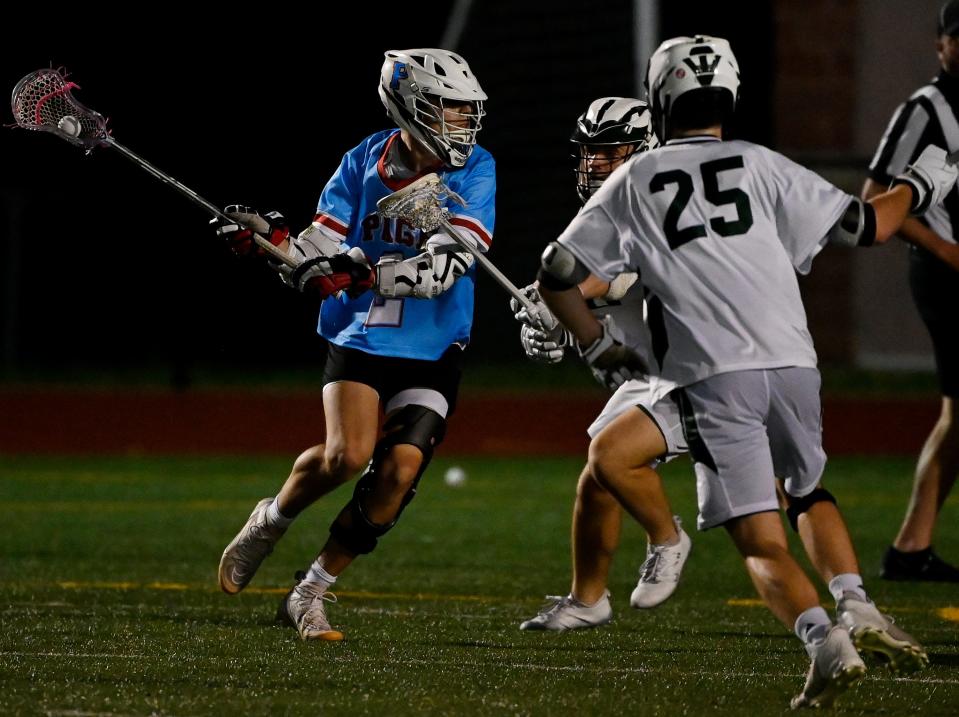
(611, 361)
(239, 233)
(328, 275)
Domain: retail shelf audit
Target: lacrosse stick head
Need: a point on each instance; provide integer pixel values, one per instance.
(421, 203)
(43, 101)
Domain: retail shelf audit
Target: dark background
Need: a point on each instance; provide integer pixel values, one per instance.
(106, 269)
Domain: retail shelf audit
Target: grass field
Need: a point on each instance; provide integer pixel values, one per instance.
(110, 605)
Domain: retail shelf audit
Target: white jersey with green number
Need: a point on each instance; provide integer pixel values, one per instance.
(630, 316)
(717, 231)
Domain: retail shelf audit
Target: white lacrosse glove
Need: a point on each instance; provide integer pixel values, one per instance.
(931, 177)
(540, 315)
(541, 346)
(543, 338)
(611, 361)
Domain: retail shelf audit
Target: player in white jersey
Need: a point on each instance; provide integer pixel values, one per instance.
(607, 134)
(718, 231)
(397, 310)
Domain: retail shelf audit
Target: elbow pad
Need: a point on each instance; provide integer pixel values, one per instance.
(559, 269)
(856, 226)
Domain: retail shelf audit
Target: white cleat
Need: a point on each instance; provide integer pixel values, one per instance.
(659, 574)
(243, 556)
(568, 613)
(303, 608)
(875, 633)
(836, 666)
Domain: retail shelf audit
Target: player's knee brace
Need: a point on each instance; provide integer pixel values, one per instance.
(411, 425)
(796, 506)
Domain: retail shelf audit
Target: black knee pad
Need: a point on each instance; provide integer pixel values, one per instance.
(796, 506)
(413, 425)
(416, 426)
(360, 534)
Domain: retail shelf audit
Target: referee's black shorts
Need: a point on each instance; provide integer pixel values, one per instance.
(935, 289)
(388, 375)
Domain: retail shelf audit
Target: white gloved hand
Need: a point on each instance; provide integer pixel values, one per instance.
(931, 177)
(540, 315)
(611, 361)
(542, 336)
(542, 346)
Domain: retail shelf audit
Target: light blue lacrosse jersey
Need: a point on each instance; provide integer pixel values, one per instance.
(408, 327)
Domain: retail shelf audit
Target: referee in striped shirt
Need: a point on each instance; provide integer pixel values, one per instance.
(929, 117)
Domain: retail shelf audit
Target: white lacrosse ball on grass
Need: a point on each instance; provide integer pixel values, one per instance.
(455, 476)
(69, 125)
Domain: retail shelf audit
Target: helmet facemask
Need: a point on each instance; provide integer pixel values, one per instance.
(445, 128)
(607, 134)
(595, 162)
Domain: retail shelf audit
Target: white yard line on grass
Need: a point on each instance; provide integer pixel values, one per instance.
(605, 669)
(459, 664)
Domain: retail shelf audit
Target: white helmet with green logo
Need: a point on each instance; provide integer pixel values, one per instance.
(689, 64)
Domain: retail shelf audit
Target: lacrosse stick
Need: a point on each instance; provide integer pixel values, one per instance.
(420, 204)
(42, 101)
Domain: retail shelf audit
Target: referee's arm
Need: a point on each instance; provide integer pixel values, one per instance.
(915, 232)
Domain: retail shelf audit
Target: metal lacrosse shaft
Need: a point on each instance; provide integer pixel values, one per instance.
(490, 268)
(264, 244)
(403, 203)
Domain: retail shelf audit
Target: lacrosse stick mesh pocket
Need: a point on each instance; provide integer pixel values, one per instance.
(42, 101)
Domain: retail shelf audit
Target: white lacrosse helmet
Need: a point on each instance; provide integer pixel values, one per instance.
(609, 122)
(415, 85)
(687, 64)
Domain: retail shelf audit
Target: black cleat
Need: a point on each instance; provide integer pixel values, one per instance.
(922, 565)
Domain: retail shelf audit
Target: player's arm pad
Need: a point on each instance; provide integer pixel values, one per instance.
(856, 226)
(559, 269)
(315, 241)
(423, 276)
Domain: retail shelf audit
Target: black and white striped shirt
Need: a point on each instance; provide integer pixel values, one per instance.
(928, 117)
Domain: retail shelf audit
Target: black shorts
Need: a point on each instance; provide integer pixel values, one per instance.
(388, 375)
(935, 289)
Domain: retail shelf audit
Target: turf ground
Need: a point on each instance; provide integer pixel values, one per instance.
(110, 605)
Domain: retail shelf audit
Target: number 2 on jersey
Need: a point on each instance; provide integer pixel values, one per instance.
(716, 196)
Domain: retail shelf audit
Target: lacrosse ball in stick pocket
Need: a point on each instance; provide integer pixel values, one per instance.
(69, 125)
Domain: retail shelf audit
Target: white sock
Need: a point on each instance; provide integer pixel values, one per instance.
(847, 583)
(276, 519)
(317, 574)
(671, 543)
(594, 604)
(811, 627)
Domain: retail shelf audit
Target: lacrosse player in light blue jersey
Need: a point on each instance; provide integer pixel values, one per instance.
(397, 311)
(718, 230)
